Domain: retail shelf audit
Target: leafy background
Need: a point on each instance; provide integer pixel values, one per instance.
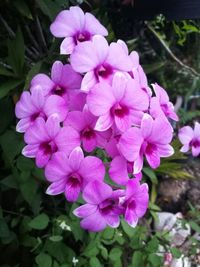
(40, 230)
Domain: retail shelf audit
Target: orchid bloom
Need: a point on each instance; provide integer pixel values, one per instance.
(76, 27)
(121, 104)
(120, 169)
(151, 140)
(190, 138)
(102, 207)
(71, 174)
(34, 105)
(160, 104)
(59, 83)
(84, 122)
(99, 61)
(135, 201)
(43, 139)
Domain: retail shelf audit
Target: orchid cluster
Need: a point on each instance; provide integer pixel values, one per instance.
(190, 138)
(100, 100)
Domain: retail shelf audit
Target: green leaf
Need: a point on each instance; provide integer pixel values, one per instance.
(108, 233)
(155, 260)
(48, 7)
(115, 254)
(43, 260)
(151, 174)
(137, 259)
(6, 72)
(28, 187)
(194, 226)
(6, 108)
(22, 7)
(130, 231)
(10, 182)
(94, 262)
(32, 72)
(40, 222)
(152, 245)
(56, 238)
(4, 230)
(7, 86)
(24, 164)
(175, 252)
(16, 53)
(11, 144)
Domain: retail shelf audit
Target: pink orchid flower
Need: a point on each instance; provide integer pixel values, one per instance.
(99, 61)
(135, 201)
(151, 140)
(35, 104)
(84, 122)
(46, 138)
(160, 104)
(76, 27)
(101, 208)
(64, 81)
(121, 169)
(71, 174)
(190, 138)
(121, 104)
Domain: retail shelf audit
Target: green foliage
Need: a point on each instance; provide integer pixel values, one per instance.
(39, 230)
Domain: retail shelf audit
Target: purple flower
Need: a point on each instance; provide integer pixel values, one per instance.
(84, 122)
(71, 175)
(99, 61)
(122, 104)
(102, 207)
(135, 201)
(120, 170)
(160, 104)
(34, 105)
(64, 81)
(151, 140)
(76, 27)
(46, 138)
(190, 139)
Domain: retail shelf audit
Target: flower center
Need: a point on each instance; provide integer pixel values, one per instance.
(132, 204)
(195, 143)
(82, 37)
(120, 110)
(88, 133)
(49, 147)
(103, 71)
(36, 115)
(75, 180)
(58, 90)
(106, 206)
(150, 148)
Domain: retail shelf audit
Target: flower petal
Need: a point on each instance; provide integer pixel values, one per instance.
(118, 170)
(67, 139)
(89, 80)
(67, 46)
(93, 26)
(100, 99)
(94, 223)
(56, 188)
(75, 158)
(58, 167)
(104, 123)
(92, 168)
(185, 135)
(72, 191)
(85, 210)
(130, 143)
(96, 192)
